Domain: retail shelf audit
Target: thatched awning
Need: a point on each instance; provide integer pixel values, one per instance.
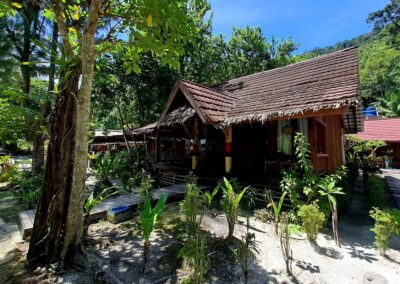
(144, 130)
(178, 116)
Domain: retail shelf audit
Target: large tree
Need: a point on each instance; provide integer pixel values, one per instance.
(213, 60)
(87, 29)
(388, 20)
(23, 29)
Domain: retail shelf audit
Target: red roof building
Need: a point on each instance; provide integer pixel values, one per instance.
(387, 130)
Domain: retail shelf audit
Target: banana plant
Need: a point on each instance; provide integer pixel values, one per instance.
(277, 209)
(231, 204)
(92, 202)
(148, 218)
(104, 166)
(209, 196)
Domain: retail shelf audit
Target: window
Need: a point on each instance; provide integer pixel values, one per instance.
(284, 137)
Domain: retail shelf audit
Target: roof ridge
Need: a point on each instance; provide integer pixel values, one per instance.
(206, 87)
(289, 65)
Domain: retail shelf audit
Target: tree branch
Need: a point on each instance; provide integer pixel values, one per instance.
(62, 27)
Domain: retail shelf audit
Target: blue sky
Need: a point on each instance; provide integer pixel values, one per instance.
(312, 23)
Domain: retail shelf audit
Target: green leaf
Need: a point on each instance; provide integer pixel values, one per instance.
(16, 5)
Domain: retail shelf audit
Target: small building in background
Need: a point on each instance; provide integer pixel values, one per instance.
(109, 140)
(387, 130)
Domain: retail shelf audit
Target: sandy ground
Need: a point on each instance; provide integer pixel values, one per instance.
(115, 252)
(355, 262)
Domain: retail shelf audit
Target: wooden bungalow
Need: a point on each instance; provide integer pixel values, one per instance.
(245, 127)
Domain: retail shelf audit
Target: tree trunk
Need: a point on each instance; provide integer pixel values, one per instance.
(48, 235)
(146, 252)
(335, 225)
(58, 223)
(38, 153)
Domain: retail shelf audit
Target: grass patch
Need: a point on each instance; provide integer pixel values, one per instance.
(378, 192)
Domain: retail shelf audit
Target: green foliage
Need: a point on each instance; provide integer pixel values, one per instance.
(387, 222)
(377, 191)
(28, 197)
(231, 203)
(209, 196)
(30, 188)
(300, 179)
(312, 220)
(277, 209)
(104, 166)
(92, 201)
(192, 208)
(146, 185)
(329, 189)
(366, 151)
(192, 205)
(247, 51)
(195, 254)
(148, 217)
(8, 171)
(379, 54)
(388, 20)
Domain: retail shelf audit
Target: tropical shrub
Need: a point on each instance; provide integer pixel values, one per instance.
(192, 208)
(366, 152)
(148, 217)
(387, 222)
(194, 253)
(28, 197)
(29, 189)
(192, 204)
(146, 185)
(312, 220)
(91, 202)
(103, 168)
(231, 203)
(300, 181)
(276, 209)
(7, 170)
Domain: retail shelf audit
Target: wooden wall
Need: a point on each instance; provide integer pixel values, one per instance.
(326, 148)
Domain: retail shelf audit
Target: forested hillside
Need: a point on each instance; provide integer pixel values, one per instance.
(379, 59)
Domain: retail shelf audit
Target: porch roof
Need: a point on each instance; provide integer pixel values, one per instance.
(325, 82)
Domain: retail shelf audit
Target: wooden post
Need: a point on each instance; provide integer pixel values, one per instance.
(195, 146)
(157, 157)
(228, 150)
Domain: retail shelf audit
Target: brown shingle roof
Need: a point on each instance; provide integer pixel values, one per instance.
(324, 82)
(212, 103)
(327, 81)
